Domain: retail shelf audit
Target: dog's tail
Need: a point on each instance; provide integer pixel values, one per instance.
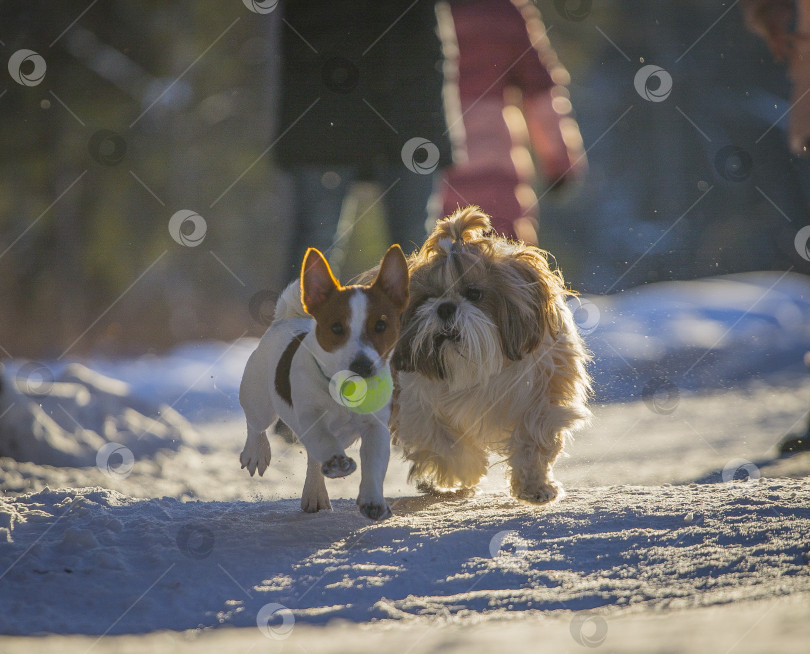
(462, 225)
(289, 304)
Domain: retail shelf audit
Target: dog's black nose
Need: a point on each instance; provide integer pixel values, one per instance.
(446, 310)
(362, 366)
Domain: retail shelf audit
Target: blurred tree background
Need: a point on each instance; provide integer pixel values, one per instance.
(152, 107)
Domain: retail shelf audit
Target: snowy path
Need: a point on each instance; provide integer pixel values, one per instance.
(610, 547)
(627, 547)
(651, 550)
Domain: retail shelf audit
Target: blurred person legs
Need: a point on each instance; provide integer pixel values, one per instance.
(406, 205)
(493, 191)
(512, 91)
(319, 194)
(799, 125)
(772, 20)
(360, 79)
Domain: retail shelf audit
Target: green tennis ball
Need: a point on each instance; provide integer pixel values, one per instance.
(362, 394)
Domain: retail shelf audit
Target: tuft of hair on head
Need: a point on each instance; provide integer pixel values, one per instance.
(462, 225)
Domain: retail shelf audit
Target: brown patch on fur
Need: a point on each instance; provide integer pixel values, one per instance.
(327, 301)
(335, 310)
(283, 386)
(317, 281)
(381, 310)
(387, 297)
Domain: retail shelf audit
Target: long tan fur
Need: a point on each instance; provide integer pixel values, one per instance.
(505, 373)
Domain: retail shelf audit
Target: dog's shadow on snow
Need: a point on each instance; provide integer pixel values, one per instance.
(416, 503)
(224, 562)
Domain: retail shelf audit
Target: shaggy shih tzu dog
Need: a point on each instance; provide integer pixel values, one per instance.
(489, 360)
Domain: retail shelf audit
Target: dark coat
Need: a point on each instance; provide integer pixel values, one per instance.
(355, 59)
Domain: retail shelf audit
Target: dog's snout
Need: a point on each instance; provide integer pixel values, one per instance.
(446, 310)
(362, 366)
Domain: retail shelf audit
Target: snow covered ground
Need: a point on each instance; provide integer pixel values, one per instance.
(659, 545)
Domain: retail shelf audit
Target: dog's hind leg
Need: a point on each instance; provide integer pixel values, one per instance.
(314, 498)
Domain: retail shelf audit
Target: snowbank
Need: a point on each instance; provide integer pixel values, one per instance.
(697, 335)
(81, 419)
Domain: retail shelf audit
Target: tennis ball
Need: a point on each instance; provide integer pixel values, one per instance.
(362, 394)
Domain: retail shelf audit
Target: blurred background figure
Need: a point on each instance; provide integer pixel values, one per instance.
(513, 93)
(360, 80)
(773, 20)
(701, 183)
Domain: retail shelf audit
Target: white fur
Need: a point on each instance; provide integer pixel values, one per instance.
(482, 356)
(323, 425)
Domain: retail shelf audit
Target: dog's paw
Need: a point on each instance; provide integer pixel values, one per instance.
(339, 465)
(314, 502)
(541, 494)
(256, 455)
(375, 510)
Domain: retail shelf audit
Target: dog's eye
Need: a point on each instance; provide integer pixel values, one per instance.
(473, 294)
(337, 329)
(380, 326)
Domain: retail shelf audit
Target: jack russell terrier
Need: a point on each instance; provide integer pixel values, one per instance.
(322, 334)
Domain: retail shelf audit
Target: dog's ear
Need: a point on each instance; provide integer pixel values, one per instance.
(402, 358)
(392, 278)
(317, 281)
(526, 305)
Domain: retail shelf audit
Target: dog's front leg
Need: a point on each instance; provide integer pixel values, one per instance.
(315, 498)
(531, 459)
(375, 450)
(256, 453)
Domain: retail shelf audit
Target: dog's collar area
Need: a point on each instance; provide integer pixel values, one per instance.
(320, 370)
